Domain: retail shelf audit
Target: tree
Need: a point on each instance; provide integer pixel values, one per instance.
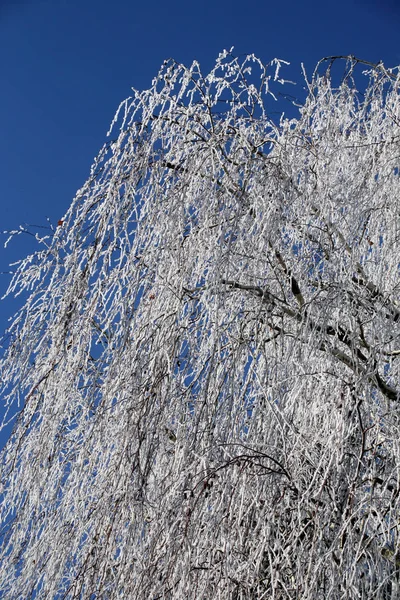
(206, 364)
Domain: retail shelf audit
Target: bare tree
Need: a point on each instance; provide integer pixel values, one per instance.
(206, 365)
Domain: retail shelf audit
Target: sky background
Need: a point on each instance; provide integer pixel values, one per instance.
(65, 66)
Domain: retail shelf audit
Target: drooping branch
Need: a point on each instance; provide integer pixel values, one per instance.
(206, 364)
(357, 361)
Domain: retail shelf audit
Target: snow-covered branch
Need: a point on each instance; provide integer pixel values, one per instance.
(205, 372)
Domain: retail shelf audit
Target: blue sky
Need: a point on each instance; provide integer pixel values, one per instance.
(66, 65)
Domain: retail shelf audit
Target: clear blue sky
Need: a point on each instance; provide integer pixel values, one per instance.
(66, 65)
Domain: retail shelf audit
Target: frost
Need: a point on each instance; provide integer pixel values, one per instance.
(206, 361)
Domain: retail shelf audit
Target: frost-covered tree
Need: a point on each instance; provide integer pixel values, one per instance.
(204, 374)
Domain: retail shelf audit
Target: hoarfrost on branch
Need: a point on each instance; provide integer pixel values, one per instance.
(207, 359)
